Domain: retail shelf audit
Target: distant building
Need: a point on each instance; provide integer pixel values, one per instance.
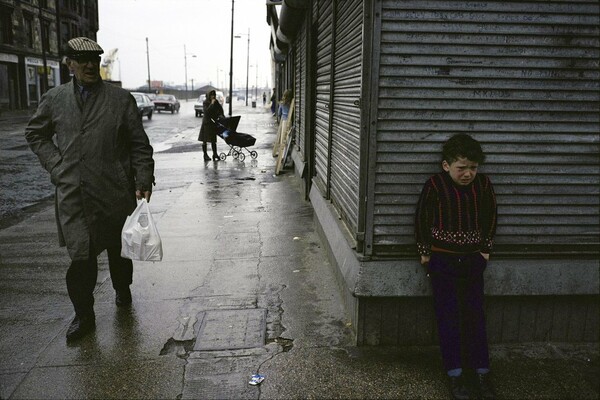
(33, 34)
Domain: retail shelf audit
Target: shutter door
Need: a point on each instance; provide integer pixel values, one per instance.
(522, 78)
(345, 130)
(323, 88)
(300, 88)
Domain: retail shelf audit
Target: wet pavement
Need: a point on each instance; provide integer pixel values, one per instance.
(244, 287)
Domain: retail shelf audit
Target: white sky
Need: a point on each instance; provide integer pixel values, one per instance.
(203, 26)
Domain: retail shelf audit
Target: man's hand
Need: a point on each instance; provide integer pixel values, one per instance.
(143, 195)
(486, 256)
(425, 260)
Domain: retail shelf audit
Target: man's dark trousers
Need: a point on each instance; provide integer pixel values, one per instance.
(82, 276)
(457, 285)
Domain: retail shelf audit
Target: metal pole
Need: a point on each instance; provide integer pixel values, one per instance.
(247, 66)
(231, 62)
(44, 80)
(185, 64)
(148, 60)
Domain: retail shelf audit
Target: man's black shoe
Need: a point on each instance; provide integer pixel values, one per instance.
(457, 387)
(81, 327)
(485, 389)
(123, 297)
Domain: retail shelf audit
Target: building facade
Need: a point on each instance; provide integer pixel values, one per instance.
(379, 85)
(33, 34)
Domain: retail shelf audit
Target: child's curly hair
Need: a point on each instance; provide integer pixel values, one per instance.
(462, 146)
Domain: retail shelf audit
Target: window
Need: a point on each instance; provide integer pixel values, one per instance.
(45, 34)
(65, 32)
(43, 3)
(28, 29)
(6, 28)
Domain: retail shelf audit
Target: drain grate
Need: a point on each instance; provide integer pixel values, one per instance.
(231, 329)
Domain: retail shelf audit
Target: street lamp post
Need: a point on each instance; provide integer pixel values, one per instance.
(148, 61)
(185, 54)
(231, 61)
(247, 62)
(185, 63)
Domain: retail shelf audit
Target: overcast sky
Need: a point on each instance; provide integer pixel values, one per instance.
(203, 26)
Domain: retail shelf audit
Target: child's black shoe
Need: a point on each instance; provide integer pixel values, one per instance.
(458, 388)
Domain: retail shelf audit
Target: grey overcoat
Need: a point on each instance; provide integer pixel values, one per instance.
(97, 154)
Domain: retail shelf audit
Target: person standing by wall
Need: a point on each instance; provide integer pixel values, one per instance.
(208, 129)
(273, 101)
(455, 226)
(282, 116)
(101, 162)
(264, 99)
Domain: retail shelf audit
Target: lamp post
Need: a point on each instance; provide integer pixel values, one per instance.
(185, 54)
(148, 61)
(247, 62)
(231, 61)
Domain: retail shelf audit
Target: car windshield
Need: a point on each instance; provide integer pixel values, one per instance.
(165, 97)
(138, 98)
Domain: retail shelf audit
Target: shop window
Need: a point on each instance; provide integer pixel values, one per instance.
(6, 29)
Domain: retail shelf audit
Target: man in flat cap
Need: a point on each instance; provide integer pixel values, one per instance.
(89, 136)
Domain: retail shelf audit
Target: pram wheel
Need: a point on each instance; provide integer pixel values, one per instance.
(235, 154)
(253, 154)
(241, 156)
(222, 156)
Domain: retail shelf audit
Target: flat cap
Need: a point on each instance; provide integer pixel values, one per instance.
(82, 46)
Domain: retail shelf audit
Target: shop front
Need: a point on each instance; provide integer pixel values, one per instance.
(9, 92)
(34, 72)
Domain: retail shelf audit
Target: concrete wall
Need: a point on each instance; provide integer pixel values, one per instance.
(527, 300)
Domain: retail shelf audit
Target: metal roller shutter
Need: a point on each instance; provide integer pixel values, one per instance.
(345, 129)
(522, 78)
(300, 88)
(323, 88)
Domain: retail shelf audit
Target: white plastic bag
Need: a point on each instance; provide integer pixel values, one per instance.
(139, 238)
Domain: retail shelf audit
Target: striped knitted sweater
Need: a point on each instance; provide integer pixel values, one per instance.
(455, 218)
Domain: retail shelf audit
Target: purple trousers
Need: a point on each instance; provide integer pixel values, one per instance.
(457, 284)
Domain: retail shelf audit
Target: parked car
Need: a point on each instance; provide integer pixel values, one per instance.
(198, 105)
(166, 102)
(144, 104)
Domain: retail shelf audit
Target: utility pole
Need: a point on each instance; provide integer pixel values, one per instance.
(247, 66)
(185, 63)
(44, 76)
(148, 60)
(231, 63)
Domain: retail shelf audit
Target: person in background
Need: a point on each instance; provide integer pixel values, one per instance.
(282, 116)
(208, 130)
(89, 136)
(273, 101)
(455, 226)
(264, 99)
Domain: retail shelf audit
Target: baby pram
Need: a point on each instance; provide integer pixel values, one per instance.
(237, 141)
